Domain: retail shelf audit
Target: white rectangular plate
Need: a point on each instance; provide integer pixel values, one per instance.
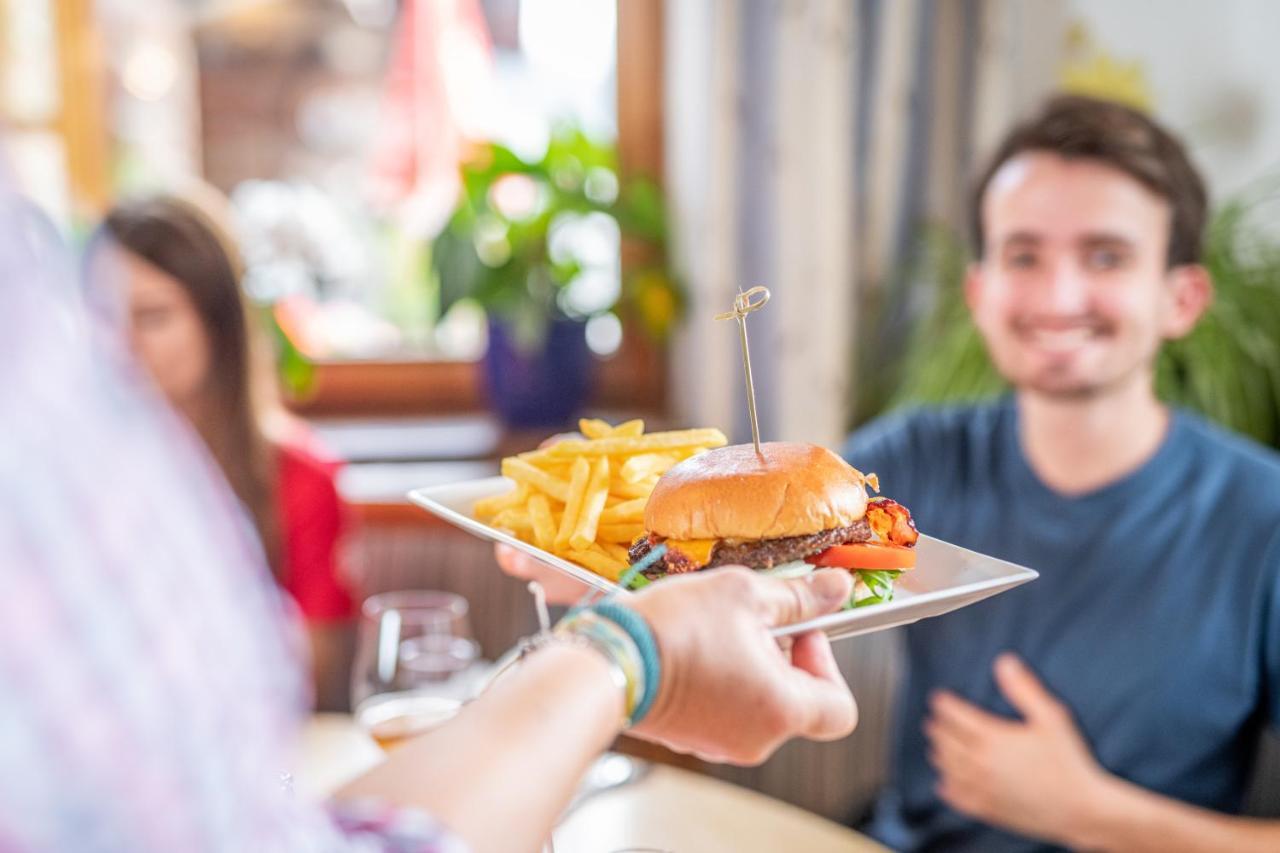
(946, 576)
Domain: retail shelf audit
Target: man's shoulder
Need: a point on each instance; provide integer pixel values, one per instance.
(1249, 469)
(929, 429)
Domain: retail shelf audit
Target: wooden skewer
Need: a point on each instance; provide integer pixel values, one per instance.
(744, 304)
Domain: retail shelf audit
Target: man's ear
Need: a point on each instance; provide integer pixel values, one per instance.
(1189, 296)
(973, 286)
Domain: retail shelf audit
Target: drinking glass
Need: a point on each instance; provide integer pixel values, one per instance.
(413, 653)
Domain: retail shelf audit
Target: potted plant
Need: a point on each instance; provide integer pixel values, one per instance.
(537, 244)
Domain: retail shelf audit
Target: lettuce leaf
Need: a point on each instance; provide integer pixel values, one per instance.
(879, 582)
(640, 581)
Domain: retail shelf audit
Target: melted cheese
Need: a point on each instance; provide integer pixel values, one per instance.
(697, 550)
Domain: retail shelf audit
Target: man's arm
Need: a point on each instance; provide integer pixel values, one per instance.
(1036, 776)
(1126, 817)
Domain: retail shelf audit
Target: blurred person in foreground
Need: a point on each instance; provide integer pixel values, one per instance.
(149, 696)
(1118, 702)
(167, 268)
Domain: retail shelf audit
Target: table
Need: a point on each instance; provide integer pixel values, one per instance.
(667, 810)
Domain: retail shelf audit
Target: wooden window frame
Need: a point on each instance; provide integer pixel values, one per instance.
(635, 376)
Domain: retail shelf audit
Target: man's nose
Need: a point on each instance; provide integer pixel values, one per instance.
(1064, 290)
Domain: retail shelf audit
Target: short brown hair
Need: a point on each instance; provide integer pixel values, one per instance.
(1075, 127)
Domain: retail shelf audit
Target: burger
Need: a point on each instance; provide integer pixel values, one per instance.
(783, 511)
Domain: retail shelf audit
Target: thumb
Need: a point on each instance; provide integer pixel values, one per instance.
(798, 599)
(1024, 691)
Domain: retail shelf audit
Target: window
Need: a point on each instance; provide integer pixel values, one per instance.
(326, 123)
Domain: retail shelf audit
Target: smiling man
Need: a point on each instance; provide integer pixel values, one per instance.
(1116, 703)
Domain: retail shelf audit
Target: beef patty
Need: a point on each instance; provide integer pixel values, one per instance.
(758, 554)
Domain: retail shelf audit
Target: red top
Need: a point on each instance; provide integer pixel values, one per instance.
(313, 520)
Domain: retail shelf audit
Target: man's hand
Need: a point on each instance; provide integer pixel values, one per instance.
(1036, 776)
(729, 693)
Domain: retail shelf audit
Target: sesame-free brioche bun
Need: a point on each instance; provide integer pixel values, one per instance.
(789, 489)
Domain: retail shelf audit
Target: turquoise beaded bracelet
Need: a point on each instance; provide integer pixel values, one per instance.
(638, 629)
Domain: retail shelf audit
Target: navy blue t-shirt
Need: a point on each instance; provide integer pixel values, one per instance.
(1156, 617)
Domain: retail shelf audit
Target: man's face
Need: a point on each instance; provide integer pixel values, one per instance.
(1073, 296)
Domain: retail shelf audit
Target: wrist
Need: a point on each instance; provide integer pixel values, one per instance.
(610, 645)
(598, 676)
(1090, 824)
(623, 638)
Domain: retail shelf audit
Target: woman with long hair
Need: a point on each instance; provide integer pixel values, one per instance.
(178, 274)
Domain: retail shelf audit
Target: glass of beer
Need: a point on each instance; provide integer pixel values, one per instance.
(413, 653)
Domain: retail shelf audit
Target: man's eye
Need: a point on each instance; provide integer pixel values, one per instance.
(1104, 259)
(1022, 260)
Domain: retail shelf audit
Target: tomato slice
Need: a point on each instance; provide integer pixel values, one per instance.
(865, 555)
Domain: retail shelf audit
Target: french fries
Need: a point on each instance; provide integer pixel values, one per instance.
(534, 477)
(573, 503)
(584, 527)
(543, 522)
(583, 499)
(685, 438)
(622, 533)
(511, 500)
(598, 562)
(639, 468)
(629, 510)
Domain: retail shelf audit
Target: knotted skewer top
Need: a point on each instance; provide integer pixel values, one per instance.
(744, 304)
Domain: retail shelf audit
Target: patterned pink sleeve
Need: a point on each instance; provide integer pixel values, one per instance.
(394, 830)
(149, 695)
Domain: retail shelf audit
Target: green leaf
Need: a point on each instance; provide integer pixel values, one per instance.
(639, 581)
(516, 279)
(297, 372)
(880, 582)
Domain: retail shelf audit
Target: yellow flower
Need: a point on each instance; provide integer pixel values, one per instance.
(655, 302)
(1093, 72)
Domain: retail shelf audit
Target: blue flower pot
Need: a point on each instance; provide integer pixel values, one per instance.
(540, 389)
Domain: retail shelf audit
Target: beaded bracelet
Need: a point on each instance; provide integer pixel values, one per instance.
(618, 647)
(526, 646)
(618, 633)
(635, 626)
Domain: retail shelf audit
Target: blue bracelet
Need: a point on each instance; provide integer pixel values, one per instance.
(633, 623)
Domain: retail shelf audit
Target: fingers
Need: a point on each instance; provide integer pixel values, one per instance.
(811, 652)
(969, 722)
(830, 711)
(558, 587)
(520, 565)
(947, 740)
(719, 658)
(956, 760)
(799, 599)
(513, 562)
(1024, 691)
